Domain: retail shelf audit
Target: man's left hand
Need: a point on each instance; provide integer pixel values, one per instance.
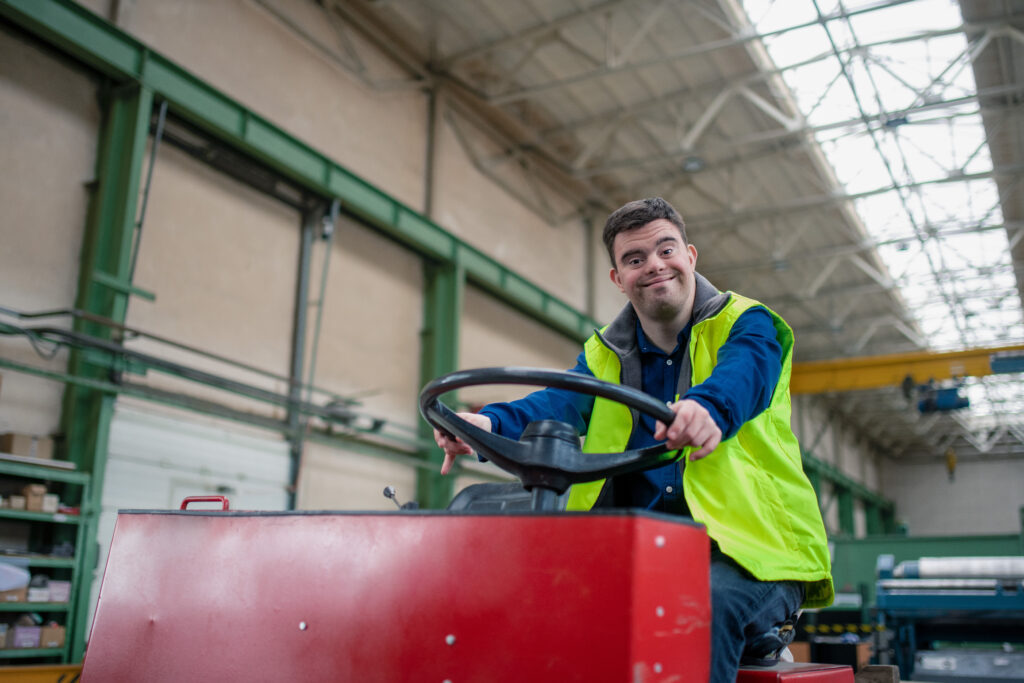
(693, 426)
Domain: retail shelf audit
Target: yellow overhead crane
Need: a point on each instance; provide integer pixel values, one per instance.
(872, 372)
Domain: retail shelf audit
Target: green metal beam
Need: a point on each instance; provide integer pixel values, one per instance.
(86, 36)
(444, 288)
(816, 467)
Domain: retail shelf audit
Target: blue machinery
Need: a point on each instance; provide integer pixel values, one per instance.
(954, 619)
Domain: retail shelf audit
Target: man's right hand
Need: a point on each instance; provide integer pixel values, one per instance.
(453, 447)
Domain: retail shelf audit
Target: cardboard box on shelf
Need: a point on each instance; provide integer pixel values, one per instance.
(60, 591)
(27, 445)
(4, 630)
(801, 651)
(39, 589)
(51, 501)
(25, 636)
(16, 502)
(34, 497)
(15, 595)
(51, 635)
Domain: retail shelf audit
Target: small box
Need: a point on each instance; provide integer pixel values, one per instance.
(34, 497)
(39, 594)
(4, 631)
(51, 636)
(15, 595)
(25, 636)
(801, 651)
(27, 445)
(16, 502)
(51, 501)
(60, 591)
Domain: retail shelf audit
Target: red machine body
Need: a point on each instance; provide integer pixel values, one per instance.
(216, 596)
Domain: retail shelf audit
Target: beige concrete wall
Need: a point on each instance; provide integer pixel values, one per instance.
(478, 210)
(263, 53)
(49, 120)
(984, 497)
(373, 311)
(221, 259)
(494, 335)
(340, 480)
(368, 350)
(243, 49)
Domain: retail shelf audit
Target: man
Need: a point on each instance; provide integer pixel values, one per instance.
(722, 363)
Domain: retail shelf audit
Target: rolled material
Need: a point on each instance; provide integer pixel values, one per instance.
(961, 567)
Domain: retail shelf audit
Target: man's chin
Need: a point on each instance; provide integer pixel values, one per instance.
(661, 310)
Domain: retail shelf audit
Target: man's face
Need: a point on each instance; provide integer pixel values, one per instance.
(654, 269)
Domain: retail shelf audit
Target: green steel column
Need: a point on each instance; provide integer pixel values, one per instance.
(845, 499)
(873, 517)
(439, 348)
(106, 258)
(815, 478)
(103, 288)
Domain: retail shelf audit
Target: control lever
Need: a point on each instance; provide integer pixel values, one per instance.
(389, 492)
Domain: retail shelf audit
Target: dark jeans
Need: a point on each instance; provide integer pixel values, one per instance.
(742, 608)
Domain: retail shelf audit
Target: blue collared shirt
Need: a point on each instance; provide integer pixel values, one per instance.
(739, 389)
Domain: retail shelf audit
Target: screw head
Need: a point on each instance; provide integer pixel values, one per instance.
(303, 626)
(659, 541)
(449, 639)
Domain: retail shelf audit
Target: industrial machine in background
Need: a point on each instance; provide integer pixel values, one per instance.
(954, 619)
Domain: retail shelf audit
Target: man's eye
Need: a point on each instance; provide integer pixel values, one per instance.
(633, 261)
(668, 251)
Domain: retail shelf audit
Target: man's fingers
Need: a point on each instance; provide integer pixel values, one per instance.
(692, 426)
(708, 445)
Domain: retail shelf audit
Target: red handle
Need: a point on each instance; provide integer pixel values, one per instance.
(223, 500)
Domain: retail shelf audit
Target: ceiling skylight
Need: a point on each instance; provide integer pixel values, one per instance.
(888, 86)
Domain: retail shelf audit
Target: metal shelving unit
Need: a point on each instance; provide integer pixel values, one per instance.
(75, 526)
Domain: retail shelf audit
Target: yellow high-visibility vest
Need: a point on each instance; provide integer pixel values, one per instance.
(751, 492)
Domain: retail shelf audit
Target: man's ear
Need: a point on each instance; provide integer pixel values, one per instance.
(613, 275)
(693, 254)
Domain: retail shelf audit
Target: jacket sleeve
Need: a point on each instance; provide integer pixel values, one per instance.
(749, 366)
(510, 419)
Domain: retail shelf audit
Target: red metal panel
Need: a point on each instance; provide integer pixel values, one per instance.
(796, 672)
(401, 597)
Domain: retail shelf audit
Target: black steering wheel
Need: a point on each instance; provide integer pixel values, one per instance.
(547, 459)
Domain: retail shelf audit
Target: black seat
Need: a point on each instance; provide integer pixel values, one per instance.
(494, 497)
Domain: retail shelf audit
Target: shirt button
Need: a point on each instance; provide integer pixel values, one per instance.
(668, 489)
(668, 362)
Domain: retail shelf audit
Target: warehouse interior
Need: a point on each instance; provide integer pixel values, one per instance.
(240, 236)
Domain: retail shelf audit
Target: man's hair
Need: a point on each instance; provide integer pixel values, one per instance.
(637, 214)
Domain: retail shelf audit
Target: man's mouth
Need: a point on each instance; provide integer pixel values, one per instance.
(660, 280)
